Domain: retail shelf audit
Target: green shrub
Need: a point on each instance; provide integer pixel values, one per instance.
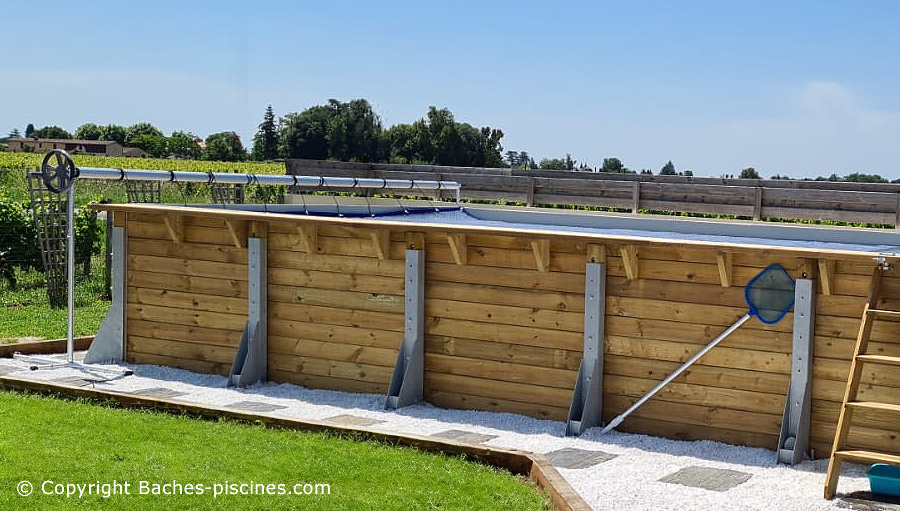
(18, 239)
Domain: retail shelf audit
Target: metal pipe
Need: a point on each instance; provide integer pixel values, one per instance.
(262, 179)
(712, 344)
(70, 272)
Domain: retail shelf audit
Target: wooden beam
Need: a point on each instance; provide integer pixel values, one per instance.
(596, 253)
(630, 260)
(459, 247)
(826, 276)
(381, 239)
(726, 272)
(307, 238)
(259, 229)
(238, 231)
(175, 226)
(807, 269)
(415, 241)
(541, 249)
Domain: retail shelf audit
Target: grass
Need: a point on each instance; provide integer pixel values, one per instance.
(26, 312)
(83, 442)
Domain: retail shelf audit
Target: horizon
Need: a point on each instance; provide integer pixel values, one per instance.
(804, 90)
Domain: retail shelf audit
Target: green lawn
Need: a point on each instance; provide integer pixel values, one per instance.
(47, 439)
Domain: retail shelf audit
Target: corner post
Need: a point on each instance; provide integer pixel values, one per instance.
(108, 346)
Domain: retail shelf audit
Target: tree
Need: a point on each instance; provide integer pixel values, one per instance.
(155, 145)
(552, 164)
(749, 173)
(141, 128)
(265, 142)
(512, 159)
(29, 130)
(613, 165)
(352, 131)
(668, 169)
(15, 133)
(183, 145)
(114, 133)
(224, 146)
(51, 132)
(89, 131)
(303, 135)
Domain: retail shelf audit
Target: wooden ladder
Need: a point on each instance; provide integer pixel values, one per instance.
(839, 454)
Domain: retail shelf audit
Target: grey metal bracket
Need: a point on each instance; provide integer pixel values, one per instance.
(793, 443)
(108, 346)
(407, 382)
(587, 400)
(250, 363)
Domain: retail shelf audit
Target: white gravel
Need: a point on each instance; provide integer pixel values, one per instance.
(628, 481)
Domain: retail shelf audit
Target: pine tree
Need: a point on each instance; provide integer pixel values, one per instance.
(265, 142)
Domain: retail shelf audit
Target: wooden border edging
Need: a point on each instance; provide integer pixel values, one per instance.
(562, 496)
(44, 347)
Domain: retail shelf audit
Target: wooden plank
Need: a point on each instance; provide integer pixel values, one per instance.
(459, 248)
(501, 371)
(188, 283)
(156, 314)
(503, 352)
(337, 351)
(691, 432)
(541, 250)
(503, 314)
(697, 415)
(336, 316)
(336, 298)
(348, 280)
(459, 401)
(331, 368)
(475, 293)
(725, 263)
(596, 253)
(826, 276)
(194, 334)
(630, 260)
(198, 251)
(334, 263)
(197, 366)
(187, 301)
(494, 389)
(528, 336)
(306, 238)
(338, 334)
(182, 350)
(258, 229)
(237, 229)
(314, 381)
(381, 241)
(195, 268)
(175, 227)
(415, 241)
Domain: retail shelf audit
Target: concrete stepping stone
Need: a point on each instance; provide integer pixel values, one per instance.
(708, 478)
(159, 392)
(255, 406)
(78, 381)
(352, 420)
(466, 437)
(573, 458)
(868, 501)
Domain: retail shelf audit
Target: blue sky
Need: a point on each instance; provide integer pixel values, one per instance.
(800, 88)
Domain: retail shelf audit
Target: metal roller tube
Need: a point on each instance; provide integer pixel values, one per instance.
(177, 176)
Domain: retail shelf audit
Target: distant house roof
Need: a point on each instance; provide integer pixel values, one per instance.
(65, 141)
(135, 152)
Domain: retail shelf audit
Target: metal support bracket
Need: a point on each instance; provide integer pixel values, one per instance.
(108, 346)
(407, 383)
(250, 363)
(587, 401)
(793, 443)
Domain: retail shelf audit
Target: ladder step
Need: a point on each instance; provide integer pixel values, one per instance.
(879, 359)
(868, 457)
(872, 405)
(885, 314)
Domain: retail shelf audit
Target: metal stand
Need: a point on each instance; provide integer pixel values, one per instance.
(587, 401)
(407, 382)
(793, 443)
(250, 363)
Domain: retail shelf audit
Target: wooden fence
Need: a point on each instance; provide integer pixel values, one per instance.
(757, 199)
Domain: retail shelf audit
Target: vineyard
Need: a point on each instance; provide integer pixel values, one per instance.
(25, 161)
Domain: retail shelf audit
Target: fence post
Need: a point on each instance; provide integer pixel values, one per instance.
(757, 203)
(530, 197)
(636, 197)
